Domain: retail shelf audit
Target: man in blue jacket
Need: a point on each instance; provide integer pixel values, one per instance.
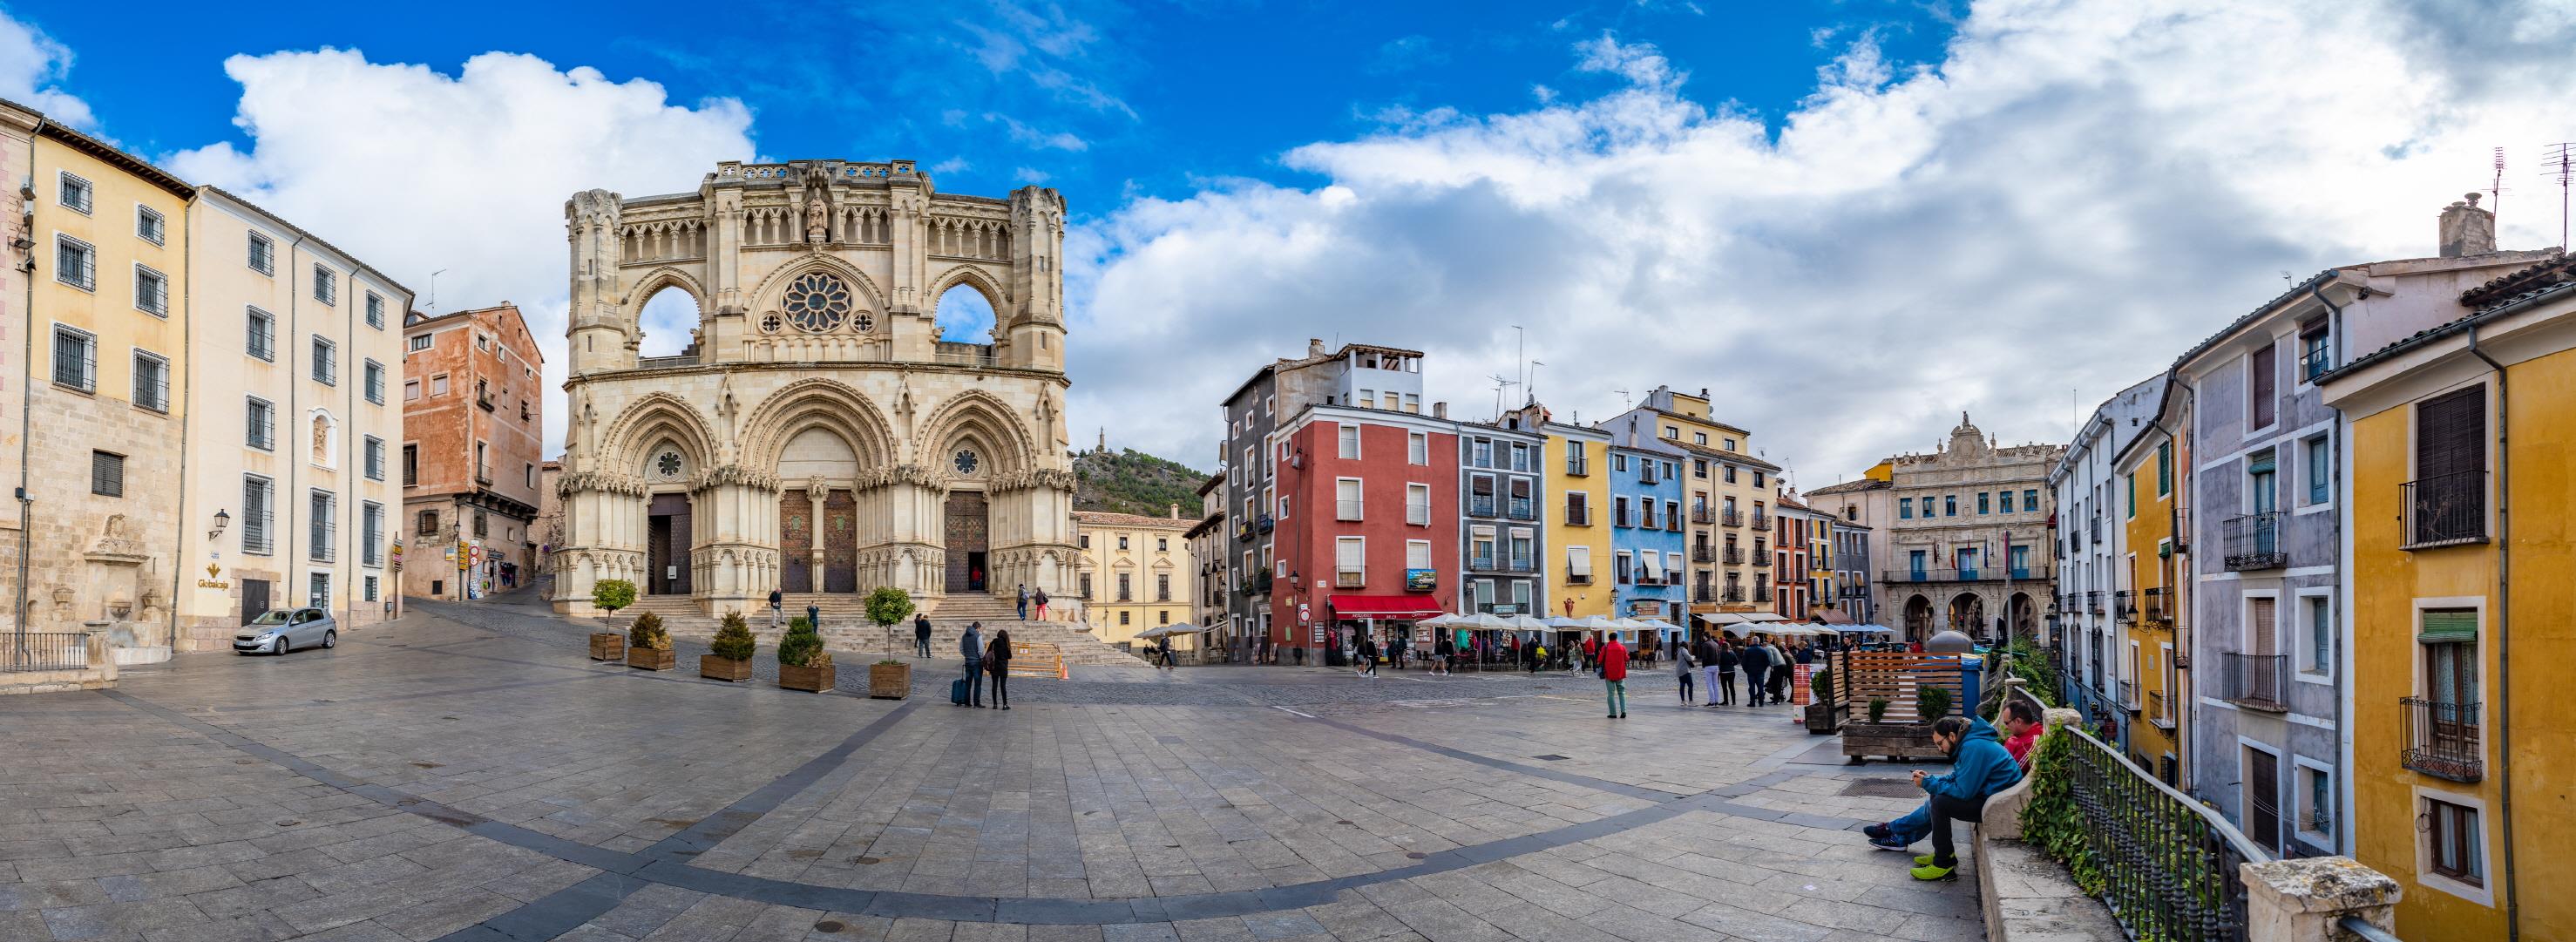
(1979, 767)
(2020, 732)
(971, 646)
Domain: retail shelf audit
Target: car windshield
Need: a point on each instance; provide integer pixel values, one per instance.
(272, 617)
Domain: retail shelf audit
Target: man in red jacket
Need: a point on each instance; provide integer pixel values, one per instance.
(1591, 652)
(1614, 677)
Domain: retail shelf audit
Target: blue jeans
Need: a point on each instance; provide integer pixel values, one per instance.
(1914, 826)
(975, 682)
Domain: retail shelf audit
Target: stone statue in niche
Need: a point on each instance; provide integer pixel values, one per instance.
(321, 440)
(817, 222)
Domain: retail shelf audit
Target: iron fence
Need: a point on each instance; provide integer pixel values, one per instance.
(2442, 739)
(2170, 867)
(2254, 542)
(45, 651)
(2446, 509)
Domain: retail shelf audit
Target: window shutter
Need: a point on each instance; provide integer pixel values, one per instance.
(2451, 434)
(2449, 626)
(2263, 464)
(1350, 554)
(2261, 631)
(2265, 395)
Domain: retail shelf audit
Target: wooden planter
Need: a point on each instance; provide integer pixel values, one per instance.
(723, 668)
(607, 646)
(1892, 740)
(651, 659)
(1823, 718)
(815, 679)
(889, 681)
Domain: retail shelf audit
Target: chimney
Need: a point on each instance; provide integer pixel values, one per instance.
(1176, 511)
(1703, 392)
(2466, 229)
(1314, 346)
(1439, 410)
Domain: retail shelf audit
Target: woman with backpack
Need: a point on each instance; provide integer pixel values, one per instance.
(997, 662)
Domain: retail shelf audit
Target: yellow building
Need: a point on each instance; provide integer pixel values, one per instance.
(1729, 491)
(1135, 574)
(104, 332)
(2148, 471)
(2461, 574)
(1579, 480)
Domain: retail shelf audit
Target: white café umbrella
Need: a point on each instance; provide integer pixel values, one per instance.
(1442, 620)
(1562, 623)
(1526, 623)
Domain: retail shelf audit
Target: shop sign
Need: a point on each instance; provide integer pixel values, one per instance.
(1421, 580)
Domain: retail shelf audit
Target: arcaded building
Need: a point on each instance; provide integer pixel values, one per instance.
(816, 434)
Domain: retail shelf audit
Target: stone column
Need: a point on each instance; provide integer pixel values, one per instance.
(2301, 900)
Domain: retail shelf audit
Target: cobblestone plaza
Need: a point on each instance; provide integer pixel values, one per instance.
(467, 773)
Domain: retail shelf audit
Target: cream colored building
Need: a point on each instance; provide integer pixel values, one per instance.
(1134, 572)
(1969, 548)
(292, 494)
(817, 435)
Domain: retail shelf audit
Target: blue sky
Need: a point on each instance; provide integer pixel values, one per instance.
(1849, 221)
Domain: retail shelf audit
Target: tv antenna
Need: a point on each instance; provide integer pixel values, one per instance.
(1533, 379)
(433, 290)
(2495, 192)
(2561, 166)
(1501, 382)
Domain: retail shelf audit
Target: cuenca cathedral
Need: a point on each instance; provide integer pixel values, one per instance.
(817, 435)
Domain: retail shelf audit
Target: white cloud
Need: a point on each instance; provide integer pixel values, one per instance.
(2076, 192)
(415, 170)
(32, 65)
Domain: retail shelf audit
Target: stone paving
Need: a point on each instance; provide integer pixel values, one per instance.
(467, 773)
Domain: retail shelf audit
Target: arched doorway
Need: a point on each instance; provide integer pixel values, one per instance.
(667, 540)
(818, 542)
(967, 532)
(1918, 617)
(2024, 617)
(1968, 614)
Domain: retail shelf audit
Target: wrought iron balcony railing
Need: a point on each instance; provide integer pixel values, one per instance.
(2156, 609)
(1703, 515)
(2446, 510)
(2254, 542)
(1735, 556)
(1732, 518)
(1703, 554)
(2260, 681)
(2443, 739)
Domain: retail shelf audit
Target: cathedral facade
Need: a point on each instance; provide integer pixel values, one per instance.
(817, 435)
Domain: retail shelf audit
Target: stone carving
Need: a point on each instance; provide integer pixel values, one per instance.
(606, 482)
(817, 217)
(736, 475)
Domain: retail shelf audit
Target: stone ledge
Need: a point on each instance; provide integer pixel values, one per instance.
(2029, 898)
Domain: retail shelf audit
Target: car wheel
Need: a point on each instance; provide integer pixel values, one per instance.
(331, 638)
(279, 647)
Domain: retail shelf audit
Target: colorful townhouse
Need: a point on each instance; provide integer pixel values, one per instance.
(1645, 528)
(1726, 491)
(2461, 570)
(1578, 485)
(1792, 523)
(2090, 544)
(1133, 573)
(1366, 525)
(2149, 470)
(1498, 530)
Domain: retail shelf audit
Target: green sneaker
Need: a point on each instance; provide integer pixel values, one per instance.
(1923, 860)
(1930, 872)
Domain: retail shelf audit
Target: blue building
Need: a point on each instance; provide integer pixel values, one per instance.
(1646, 543)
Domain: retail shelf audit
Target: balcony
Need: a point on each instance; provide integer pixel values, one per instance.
(2254, 542)
(2157, 611)
(1761, 558)
(2121, 607)
(1243, 531)
(1482, 506)
(2315, 363)
(486, 403)
(1761, 521)
(1263, 523)
(2160, 710)
(2094, 531)
(1578, 516)
(1577, 468)
(1347, 509)
(1481, 563)
(1578, 578)
(2129, 695)
(2447, 510)
(1732, 518)
(1350, 578)
(1735, 556)
(1734, 594)
(2259, 681)
(2443, 739)
(1522, 508)
(483, 476)
(1703, 553)
(1703, 515)
(1762, 595)
(1520, 565)
(2093, 601)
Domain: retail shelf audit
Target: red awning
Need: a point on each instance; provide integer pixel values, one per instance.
(1396, 607)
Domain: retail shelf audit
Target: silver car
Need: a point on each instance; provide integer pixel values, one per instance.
(285, 629)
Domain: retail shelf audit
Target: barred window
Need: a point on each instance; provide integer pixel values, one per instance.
(260, 420)
(263, 254)
(151, 292)
(106, 474)
(375, 382)
(74, 193)
(75, 263)
(375, 310)
(259, 334)
(326, 285)
(323, 509)
(75, 358)
(371, 526)
(148, 225)
(326, 361)
(375, 458)
(256, 491)
(151, 382)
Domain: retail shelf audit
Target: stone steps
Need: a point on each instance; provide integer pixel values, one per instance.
(846, 627)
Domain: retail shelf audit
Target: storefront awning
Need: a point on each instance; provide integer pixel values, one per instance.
(1395, 607)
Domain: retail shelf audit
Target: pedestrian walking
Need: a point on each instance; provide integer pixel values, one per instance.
(997, 662)
(1591, 652)
(777, 611)
(971, 647)
(814, 616)
(1367, 655)
(1040, 597)
(1403, 648)
(1757, 669)
(1441, 651)
(1728, 659)
(1779, 677)
(1682, 663)
(1024, 601)
(1164, 643)
(1706, 652)
(921, 635)
(1614, 677)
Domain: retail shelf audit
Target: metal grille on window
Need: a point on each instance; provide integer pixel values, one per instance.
(255, 494)
(261, 339)
(75, 263)
(370, 528)
(324, 528)
(73, 362)
(151, 382)
(106, 474)
(262, 428)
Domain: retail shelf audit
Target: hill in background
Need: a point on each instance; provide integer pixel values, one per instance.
(1128, 481)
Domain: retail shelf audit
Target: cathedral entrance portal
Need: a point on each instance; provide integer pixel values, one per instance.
(966, 534)
(795, 542)
(840, 542)
(666, 545)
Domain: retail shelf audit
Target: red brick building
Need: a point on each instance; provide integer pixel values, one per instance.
(1365, 525)
(473, 438)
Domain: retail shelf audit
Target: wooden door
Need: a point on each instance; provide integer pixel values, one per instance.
(841, 542)
(254, 599)
(795, 542)
(2261, 637)
(965, 531)
(668, 543)
(2262, 798)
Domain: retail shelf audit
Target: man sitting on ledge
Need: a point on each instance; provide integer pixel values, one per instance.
(1980, 767)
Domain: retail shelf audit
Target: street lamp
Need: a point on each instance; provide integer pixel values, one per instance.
(222, 520)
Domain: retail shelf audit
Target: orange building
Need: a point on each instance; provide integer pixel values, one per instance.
(473, 435)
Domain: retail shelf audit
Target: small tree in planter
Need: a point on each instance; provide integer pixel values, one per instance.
(1823, 715)
(647, 645)
(802, 662)
(1931, 703)
(1878, 709)
(890, 679)
(728, 657)
(608, 596)
(887, 606)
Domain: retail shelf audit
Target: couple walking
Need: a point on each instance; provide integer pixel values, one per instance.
(1028, 596)
(985, 658)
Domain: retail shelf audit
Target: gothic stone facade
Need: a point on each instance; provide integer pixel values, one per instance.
(818, 436)
(1969, 548)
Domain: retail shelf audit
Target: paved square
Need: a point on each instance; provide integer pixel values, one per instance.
(468, 773)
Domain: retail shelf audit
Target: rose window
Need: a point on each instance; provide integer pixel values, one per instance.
(863, 323)
(966, 461)
(668, 464)
(816, 302)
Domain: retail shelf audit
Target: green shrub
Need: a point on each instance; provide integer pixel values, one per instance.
(733, 639)
(1823, 685)
(1931, 703)
(886, 606)
(1877, 709)
(802, 646)
(612, 594)
(647, 633)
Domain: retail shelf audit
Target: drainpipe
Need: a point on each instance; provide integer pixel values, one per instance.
(2504, 634)
(2343, 677)
(26, 393)
(188, 354)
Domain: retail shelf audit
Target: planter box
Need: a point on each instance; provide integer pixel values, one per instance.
(815, 679)
(1823, 718)
(651, 659)
(607, 646)
(1891, 740)
(723, 668)
(889, 681)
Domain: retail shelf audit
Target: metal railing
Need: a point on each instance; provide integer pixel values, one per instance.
(1732, 518)
(44, 651)
(1350, 578)
(1520, 565)
(1761, 521)
(2446, 510)
(2171, 868)
(1761, 558)
(2120, 605)
(1481, 563)
(2443, 739)
(2129, 695)
(2260, 681)
(1577, 468)
(1974, 574)
(1480, 507)
(1703, 554)
(1703, 515)
(655, 363)
(1733, 594)
(1578, 516)
(1735, 556)
(2155, 607)
(2159, 709)
(2254, 542)
(2093, 601)
(1522, 508)
(2315, 363)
